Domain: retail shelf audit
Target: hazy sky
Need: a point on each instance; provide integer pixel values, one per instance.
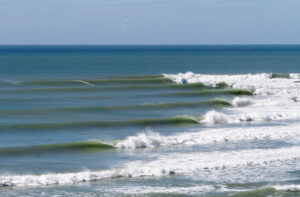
(149, 21)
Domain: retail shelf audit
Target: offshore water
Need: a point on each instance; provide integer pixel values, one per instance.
(150, 120)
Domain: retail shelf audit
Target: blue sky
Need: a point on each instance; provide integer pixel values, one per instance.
(149, 22)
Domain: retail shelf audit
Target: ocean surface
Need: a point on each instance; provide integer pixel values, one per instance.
(150, 120)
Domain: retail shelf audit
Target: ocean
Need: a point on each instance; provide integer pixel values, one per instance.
(186, 120)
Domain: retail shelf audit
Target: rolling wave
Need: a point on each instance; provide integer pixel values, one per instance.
(94, 88)
(151, 139)
(176, 121)
(259, 84)
(212, 103)
(210, 118)
(73, 146)
(280, 75)
(137, 80)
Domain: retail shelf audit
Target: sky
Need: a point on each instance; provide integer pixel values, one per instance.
(149, 22)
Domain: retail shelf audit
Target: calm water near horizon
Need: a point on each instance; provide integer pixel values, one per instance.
(159, 120)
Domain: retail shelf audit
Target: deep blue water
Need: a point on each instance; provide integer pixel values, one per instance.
(17, 62)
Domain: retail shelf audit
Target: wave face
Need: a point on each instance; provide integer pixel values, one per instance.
(72, 146)
(129, 80)
(211, 103)
(178, 120)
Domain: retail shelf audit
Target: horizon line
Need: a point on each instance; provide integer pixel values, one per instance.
(261, 44)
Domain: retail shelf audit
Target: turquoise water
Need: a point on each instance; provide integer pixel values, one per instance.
(122, 121)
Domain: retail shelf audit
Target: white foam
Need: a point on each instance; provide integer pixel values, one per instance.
(288, 133)
(295, 75)
(165, 164)
(213, 117)
(293, 188)
(236, 81)
(143, 140)
(58, 179)
(263, 83)
(192, 190)
(241, 102)
(275, 98)
(198, 162)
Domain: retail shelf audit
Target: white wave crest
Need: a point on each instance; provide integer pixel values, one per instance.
(263, 83)
(294, 188)
(213, 117)
(295, 75)
(241, 102)
(288, 133)
(237, 81)
(143, 140)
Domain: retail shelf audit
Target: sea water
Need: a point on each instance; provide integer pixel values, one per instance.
(195, 120)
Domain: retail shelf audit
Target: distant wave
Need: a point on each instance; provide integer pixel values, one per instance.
(210, 103)
(212, 117)
(129, 80)
(190, 77)
(94, 88)
(181, 78)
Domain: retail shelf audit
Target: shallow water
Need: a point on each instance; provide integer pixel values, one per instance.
(149, 120)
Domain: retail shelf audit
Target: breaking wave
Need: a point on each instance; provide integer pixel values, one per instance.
(152, 139)
(241, 102)
(164, 165)
(213, 117)
(177, 120)
(259, 83)
(212, 92)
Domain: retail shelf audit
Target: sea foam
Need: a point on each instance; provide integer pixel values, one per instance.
(163, 165)
(288, 133)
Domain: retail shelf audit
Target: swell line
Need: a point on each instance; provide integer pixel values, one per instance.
(72, 146)
(147, 80)
(176, 121)
(94, 88)
(213, 103)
